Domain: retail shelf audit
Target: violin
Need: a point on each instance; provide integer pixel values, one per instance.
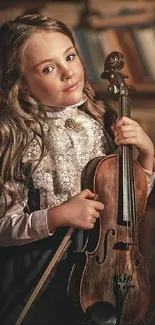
(109, 281)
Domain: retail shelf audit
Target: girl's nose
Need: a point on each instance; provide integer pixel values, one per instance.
(67, 72)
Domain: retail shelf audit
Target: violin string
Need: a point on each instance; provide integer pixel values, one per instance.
(131, 218)
(128, 193)
(133, 212)
(129, 189)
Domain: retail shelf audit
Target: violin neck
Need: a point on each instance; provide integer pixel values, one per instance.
(127, 210)
(125, 106)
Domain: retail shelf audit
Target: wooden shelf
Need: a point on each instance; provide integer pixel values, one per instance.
(125, 20)
(141, 90)
(15, 3)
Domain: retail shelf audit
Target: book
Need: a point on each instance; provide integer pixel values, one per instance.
(83, 51)
(145, 42)
(133, 58)
(95, 52)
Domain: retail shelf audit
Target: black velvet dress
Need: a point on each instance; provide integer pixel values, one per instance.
(21, 268)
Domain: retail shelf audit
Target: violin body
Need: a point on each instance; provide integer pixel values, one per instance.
(92, 277)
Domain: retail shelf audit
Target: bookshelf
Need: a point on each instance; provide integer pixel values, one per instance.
(139, 23)
(125, 20)
(141, 91)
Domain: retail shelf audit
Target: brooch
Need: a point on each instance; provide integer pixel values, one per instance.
(70, 123)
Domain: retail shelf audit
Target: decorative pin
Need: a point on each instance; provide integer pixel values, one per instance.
(70, 123)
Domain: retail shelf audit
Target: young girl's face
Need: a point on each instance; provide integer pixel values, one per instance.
(52, 69)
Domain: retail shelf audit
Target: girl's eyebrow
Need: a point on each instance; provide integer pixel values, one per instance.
(50, 59)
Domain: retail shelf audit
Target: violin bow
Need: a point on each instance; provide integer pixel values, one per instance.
(56, 258)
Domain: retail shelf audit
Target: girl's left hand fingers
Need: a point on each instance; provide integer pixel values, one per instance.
(128, 133)
(126, 141)
(126, 128)
(125, 121)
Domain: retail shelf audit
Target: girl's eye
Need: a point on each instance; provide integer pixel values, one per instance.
(48, 69)
(71, 57)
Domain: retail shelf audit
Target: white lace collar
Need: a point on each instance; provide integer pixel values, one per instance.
(64, 112)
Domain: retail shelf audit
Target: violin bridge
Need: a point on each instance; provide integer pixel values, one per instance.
(122, 246)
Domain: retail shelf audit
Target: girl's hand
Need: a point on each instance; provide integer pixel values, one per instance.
(128, 131)
(81, 211)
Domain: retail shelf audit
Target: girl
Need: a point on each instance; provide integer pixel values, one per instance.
(51, 125)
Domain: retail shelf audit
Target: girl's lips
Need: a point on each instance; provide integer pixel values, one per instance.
(71, 87)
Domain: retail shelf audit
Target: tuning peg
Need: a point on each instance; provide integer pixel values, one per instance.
(124, 76)
(131, 88)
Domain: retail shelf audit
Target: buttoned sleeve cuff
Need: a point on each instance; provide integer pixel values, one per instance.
(45, 212)
(150, 178)
(40, 224)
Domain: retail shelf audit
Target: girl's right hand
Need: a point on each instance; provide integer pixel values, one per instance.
(81, 211)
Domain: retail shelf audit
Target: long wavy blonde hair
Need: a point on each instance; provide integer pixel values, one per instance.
(21, 116)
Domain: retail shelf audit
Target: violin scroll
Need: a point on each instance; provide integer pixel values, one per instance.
(114, 62)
